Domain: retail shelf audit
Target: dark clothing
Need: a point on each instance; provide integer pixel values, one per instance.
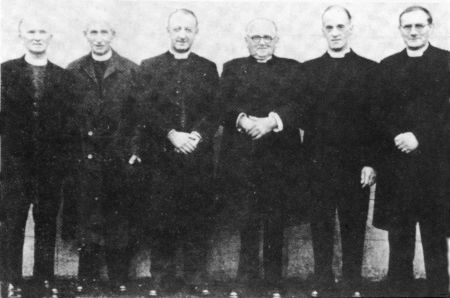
(413, 97)
(106, 208)
(259, 177)
(180, 95)
(38, 138)
(337, 141)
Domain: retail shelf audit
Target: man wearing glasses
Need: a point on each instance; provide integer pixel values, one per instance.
(260, 148)
(412, 97)
(337, 138)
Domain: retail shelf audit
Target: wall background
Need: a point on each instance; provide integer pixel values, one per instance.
(141, 24)
(140, 27)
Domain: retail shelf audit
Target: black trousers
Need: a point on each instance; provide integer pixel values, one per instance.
(181, 217)
(337, 190)
(402, 242)
(108, 222)
(256, 193)
(26, 183)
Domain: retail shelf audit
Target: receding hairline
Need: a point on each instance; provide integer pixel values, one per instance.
(41, 19)
(184, 11)
(92, 21)
(416, 8)
(337, 7)
(262, 20)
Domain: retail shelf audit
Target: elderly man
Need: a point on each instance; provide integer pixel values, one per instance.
(260, 148)
(178, 120)
(338, 141)
(36, 110)
(104, 209)
(412, 99)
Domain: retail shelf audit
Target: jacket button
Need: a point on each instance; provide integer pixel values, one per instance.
(177, 92)
(89, 156)
(96, 199)
(90, 133)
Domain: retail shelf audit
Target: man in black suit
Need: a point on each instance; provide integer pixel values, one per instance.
(105, 211)
(411, 102)
(260, 154)
(338, 145)
(176, 100)
(36, 110)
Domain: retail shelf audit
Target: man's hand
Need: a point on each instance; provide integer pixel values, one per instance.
(181, 141)
(261, 127)
(368, 176)
(133, 159)
(406, 142)
(245, 123)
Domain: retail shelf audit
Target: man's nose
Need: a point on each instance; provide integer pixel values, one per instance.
(182, 34)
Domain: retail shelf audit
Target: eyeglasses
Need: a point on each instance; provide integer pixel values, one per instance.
(265, 38)
(409, 27)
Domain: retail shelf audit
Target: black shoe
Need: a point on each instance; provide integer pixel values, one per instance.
(199, 290)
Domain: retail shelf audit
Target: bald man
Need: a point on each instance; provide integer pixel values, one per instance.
(339, 143)
(261, 147)
(36, 110)
(178, 121)
(105, 214)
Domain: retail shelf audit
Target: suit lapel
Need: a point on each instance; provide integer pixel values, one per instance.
(25, 78)
(88, 68)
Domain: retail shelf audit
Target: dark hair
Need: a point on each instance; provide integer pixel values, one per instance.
(415, 8)
(185, 11)
(337, 6)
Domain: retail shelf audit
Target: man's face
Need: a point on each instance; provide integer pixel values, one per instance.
(337, 29)
(415, 29)
(261, 39)
(182, 29)
(99, 36)
(35, 35)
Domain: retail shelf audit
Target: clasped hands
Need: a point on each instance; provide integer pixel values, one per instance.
(256, 127)
(184, 142)
(406, 142)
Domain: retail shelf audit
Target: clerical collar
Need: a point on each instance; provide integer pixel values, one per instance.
(418, 52)
(177, 55)
(264, 60)
(41, 61)
(104, 57)
(340, 54)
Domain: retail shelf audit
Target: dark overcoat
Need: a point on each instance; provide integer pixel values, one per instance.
(258, 89)
(105, 123)
(177, 94)
(411, 96)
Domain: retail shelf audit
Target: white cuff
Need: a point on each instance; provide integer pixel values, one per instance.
(278, 120)
(240, 116)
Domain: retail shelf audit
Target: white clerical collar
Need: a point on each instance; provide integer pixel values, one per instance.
(340, 54)
(418, 52)
(103, 57)
(263, 60)
(180, 55)
(41, 61)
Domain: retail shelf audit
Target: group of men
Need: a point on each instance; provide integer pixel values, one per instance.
(130, 148)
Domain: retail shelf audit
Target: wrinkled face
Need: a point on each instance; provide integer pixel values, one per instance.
(415, 29)
(99, 36)
(337, 29)
(35, 35)
(182, 29)
(261, 39)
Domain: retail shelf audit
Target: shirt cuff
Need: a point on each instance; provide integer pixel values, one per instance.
(278, 120)
(195, 133)
(239, 129)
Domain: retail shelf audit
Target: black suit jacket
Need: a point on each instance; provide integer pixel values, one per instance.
(411, 96)
(176, 94)
(258, 89)
(45, 136)
(337, 126)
